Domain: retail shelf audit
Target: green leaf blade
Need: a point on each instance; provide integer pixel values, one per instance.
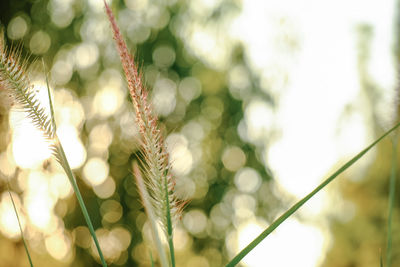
(300, 203)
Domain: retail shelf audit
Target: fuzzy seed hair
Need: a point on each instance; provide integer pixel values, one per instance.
(157, 169)
(16, 86)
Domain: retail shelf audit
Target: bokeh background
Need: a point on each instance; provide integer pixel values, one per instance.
(259, 100)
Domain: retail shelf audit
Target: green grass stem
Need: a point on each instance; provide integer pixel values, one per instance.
(392, 192)
(20, 227)
(169, 225)
(62, 158)
(300, 203)
(53, 121)
(16, 214)
(71, 177)
(151, 260)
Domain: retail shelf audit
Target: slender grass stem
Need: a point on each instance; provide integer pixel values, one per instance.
(151, 260)
(5, 177)
(62, 158)
(53, 121)
(16, 214)
(20, 227)
(71, 177)
(169, 226)
(300, 203)
(392, 192)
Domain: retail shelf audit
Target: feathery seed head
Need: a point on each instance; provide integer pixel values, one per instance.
(159, 181)
(13, 77)
(15, 83)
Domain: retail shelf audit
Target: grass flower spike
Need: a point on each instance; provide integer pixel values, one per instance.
(14, 79)
(159, 181)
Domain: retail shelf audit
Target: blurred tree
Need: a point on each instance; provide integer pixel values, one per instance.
(197, 111)
(363, 240)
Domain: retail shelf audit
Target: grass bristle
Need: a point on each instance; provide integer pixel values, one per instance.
(159, 180)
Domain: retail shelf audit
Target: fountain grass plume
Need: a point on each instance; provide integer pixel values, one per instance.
(157, 170)
(14, 79)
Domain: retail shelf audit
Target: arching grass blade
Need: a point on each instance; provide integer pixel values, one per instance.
(300, 203)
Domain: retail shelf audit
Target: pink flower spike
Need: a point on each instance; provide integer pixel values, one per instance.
(158, 178)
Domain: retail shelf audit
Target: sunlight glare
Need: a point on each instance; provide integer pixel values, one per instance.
(40, 202)
(304, 243)
(260, 120)
(317, 116)
(180, 156)
(195, 221)
(58, 245)
(108, 100)
(73, 147)
(247, 180)
(7, 164)
(68, 110)
(29, 147)
(60, 185)
(86, 54)
(233, 158)
(95, 171)
(39, 210)
(105, 189)
(8, 219)
(113, 242)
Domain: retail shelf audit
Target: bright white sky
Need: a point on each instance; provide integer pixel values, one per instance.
(322, 80)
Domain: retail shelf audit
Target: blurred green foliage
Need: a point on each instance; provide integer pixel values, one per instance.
(202, 109)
